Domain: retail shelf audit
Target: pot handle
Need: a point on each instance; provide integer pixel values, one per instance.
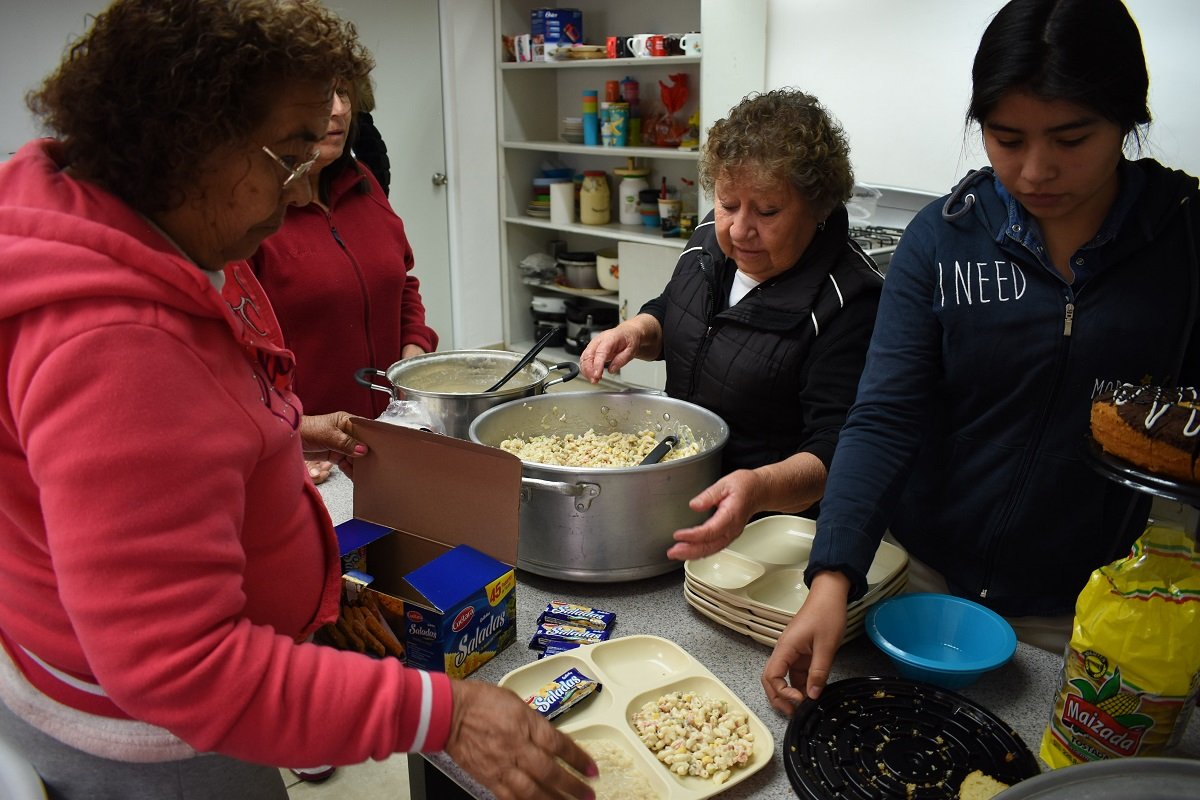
(572, 372)
(584, 493)
(363, 377)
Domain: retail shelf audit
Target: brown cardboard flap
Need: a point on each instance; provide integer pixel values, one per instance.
(438, 488)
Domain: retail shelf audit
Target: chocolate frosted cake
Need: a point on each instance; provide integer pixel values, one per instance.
(1152, 427)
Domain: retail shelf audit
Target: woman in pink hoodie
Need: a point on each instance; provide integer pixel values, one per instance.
(166, 555)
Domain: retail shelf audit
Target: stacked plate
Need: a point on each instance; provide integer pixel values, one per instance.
(571, 130)
(756, 584)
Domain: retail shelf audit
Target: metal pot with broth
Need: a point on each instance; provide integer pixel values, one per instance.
(452, 386)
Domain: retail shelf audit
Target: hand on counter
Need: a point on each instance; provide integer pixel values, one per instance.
(803, 656)
(326, 437)
(511, 749)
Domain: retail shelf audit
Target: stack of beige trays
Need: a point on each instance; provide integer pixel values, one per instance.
(756, 584)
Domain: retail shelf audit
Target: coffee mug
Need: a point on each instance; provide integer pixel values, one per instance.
(639, 44)
(616, 47)
(691, 43)
(672, 43)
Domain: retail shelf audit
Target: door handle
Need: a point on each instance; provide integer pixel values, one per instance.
(439, 179)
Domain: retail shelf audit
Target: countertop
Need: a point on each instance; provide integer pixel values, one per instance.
(1021, 693)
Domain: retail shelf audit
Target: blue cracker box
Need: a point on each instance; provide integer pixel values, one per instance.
(435, 531)
(552, 28)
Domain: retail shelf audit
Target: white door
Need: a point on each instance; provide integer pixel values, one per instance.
(404, 38)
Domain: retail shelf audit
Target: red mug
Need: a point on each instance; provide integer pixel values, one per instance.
(656, 45)
(610, 47)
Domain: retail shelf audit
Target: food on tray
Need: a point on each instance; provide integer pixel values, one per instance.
(595, 450)
(563, 693)
(977, 786)
(1152, 427)
(566, 613)
(696, 735)
(619, 779)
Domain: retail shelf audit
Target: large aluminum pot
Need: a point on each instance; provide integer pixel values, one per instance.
(452, 386)
(603, 524)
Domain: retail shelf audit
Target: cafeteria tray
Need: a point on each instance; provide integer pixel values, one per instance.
(763, 568)
(634, 670)
(883, 738)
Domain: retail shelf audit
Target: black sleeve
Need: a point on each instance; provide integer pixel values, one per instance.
(831, 375)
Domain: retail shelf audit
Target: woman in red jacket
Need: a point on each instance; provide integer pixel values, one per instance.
(153, 624)
(339, 275)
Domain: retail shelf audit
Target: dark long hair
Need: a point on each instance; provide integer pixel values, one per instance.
(1087, 52)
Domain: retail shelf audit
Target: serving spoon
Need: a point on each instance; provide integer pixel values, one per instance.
(526, 359)
(660, 450)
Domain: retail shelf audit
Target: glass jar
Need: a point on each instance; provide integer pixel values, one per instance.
(594, 206)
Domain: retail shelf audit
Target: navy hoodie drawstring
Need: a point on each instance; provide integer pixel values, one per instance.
(957, 194)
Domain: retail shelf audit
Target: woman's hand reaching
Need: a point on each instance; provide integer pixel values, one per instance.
(511, 749)
(803, 657)
(640, 337)
(735, 498)
(326, 437)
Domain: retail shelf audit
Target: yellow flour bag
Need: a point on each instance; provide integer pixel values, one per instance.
(1132, 670)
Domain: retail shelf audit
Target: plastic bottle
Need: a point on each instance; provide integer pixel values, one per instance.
(594, 208)
(633, 182)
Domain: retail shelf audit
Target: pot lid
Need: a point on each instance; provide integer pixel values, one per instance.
(577, 257)
(1118, 779)
(877, 737)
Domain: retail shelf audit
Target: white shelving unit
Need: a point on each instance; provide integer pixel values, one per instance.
(533, 97)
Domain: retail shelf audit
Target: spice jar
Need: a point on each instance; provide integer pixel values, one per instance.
(594, 198)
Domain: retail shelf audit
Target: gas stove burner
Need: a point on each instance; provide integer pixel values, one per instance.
(875, 237)
(896, 738)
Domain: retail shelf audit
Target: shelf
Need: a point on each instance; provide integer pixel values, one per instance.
(554, 146)
(611, 299)
(624, 233)
(586, 63)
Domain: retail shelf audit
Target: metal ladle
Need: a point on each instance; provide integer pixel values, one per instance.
(525, 359)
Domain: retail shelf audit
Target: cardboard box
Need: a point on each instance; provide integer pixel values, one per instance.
(436, 522)
(552, 28)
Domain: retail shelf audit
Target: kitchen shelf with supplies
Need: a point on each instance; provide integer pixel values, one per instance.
(539, 104)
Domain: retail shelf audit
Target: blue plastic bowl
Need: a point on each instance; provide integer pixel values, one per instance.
(939, 638)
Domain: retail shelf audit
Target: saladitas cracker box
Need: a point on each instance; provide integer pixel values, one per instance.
(435, 524)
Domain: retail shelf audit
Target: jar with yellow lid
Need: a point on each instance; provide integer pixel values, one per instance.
(594, 204)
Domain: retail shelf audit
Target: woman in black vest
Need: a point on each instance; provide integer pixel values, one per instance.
(767, 317)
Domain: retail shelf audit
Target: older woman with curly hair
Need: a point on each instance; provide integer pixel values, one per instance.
(166, 555)
(768, 314)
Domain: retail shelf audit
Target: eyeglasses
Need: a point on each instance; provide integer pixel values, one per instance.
(294, 172)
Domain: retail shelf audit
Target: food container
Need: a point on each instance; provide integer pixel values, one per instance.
(579, 270)
(614, 524)
(452, 386)
(607, 271)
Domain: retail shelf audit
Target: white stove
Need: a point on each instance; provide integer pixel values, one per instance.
(877, 227)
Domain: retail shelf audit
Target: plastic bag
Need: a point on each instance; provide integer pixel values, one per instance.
(1132, 670)
(410, 414)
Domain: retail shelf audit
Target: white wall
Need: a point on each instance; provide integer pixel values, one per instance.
(898, 77)
(897, 74)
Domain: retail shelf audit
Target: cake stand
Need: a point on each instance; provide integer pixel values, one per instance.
(1133, 476)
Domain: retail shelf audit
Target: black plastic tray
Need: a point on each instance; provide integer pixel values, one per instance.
(874, 738)
(1133, 476)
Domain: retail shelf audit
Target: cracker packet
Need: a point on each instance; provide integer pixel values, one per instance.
(1131, 672)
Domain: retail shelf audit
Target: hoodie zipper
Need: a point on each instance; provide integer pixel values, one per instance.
(710, 313)
(362, 288)
(1063, 356)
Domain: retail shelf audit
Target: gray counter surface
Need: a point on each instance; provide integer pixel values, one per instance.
(1021, 693)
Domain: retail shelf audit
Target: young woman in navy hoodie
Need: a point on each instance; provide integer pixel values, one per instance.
(1036, 283)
